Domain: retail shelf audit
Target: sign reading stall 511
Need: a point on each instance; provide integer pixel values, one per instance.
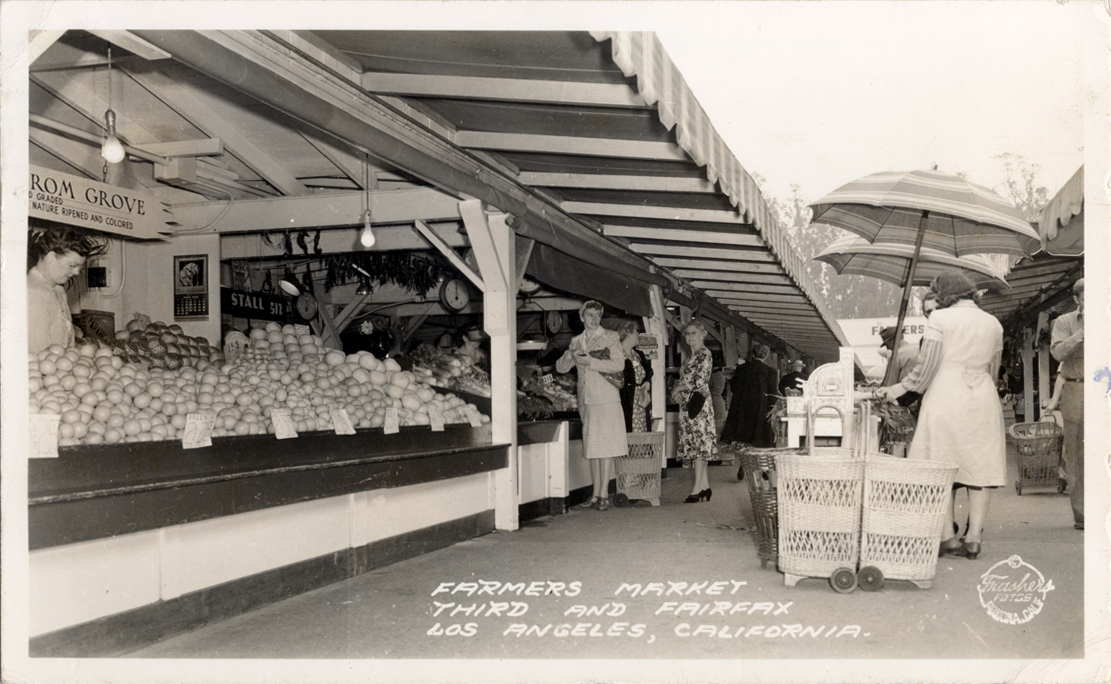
(85, 203)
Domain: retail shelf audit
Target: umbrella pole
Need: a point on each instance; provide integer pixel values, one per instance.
(891, 376)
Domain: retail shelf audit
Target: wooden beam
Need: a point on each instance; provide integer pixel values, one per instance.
(510, 89)
(493, 265)
(414, 322)
(205, 147)
(183, 100)
(346, 316)
(603, 181)
(524, 255)
(561, 144)
(738, 256)
(90, 104)
(653, 212)
(132, 43)
(320, 211)
(749, 288)
(681, 234)
(711, 278)
(40, 41)
(452, 256)
(728, 264)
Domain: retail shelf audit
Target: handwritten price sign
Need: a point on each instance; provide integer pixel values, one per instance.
(436, 418)
(341, 421)
(390, 422)
(198, 429)
(283, 423)
(44, 435)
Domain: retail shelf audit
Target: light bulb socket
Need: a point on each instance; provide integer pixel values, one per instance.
(112, 150)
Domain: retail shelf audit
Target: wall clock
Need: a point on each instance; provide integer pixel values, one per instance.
(306, 306)
(554, 321)
(455, 294)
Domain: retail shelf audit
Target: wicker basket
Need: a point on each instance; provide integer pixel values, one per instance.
(905, 501)
(1039, 452)
(819, 500)
(638, 472)
(761, 477)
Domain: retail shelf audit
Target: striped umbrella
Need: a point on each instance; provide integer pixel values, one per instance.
(925, 208)
(852, 255)
(945, 211)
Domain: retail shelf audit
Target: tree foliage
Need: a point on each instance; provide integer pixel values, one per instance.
(845, 296)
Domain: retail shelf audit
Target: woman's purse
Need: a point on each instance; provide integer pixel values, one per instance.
(616, 378)
(695, 403)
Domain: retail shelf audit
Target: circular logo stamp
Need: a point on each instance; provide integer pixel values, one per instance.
(1013, 591)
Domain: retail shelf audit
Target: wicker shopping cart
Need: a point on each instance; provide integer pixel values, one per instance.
(819, 497)
(904, 511)
(761, 477)
(638, 472)
(1039, 454)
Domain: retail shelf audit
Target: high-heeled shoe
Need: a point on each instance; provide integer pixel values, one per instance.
(589, 503)
(951, 546)
(693, 498)
(969, 550)
(706, 494)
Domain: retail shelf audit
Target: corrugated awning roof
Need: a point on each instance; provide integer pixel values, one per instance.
(593, 140)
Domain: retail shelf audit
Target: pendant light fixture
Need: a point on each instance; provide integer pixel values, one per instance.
(288, 283)
(112, 150)
(366, 237)
(364, 283)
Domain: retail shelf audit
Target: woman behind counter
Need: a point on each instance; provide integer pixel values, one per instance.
(961, 419)
(55, 254)
(697, 437)
(594, 352)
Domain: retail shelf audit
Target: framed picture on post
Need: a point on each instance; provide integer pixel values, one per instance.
(190, 285)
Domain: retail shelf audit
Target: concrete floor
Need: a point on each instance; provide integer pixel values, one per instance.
(390, 613)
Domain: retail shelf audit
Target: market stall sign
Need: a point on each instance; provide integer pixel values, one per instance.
(77, 201)
(244, 304)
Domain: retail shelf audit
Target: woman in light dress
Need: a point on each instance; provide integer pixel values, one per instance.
(961, 419)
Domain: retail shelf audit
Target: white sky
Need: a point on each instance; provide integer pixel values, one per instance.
(818, 94)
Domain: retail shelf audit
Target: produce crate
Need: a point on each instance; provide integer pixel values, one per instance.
(638, 472)
(819, 501)
(905, 501)
(761, 477)
(1039, 453)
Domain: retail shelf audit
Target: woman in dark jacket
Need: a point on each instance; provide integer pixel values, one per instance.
(753, 385)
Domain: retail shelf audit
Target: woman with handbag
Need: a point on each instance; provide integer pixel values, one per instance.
(600, 361)
(636, 394)
(697, 436)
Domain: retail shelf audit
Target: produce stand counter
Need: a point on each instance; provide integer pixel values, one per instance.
(134, 542)
(552, 474)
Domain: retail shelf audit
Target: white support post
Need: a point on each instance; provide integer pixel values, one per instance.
(1028, 375)
(657, 325)
(1045, 384)
(494, 244)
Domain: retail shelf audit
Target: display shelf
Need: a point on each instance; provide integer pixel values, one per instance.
(108, 490)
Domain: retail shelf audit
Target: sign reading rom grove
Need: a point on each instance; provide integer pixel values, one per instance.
(85, 203)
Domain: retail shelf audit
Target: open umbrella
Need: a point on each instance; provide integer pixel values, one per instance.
(852, 255)
(925, 208)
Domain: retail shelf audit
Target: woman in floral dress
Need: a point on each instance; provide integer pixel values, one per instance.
(697, 437)
(635, 395)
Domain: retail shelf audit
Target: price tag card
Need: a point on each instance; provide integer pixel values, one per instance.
(144, 320)
(341, 420)
(301, 329)
(283, 423)
(44, 435)
(473, 415)
(435, 418)
(198, 429)
(546, 379)
(390, 424)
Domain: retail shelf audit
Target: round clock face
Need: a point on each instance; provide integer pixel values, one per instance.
(554, 321)
(528, 286)
(306, 306)
(455, 294)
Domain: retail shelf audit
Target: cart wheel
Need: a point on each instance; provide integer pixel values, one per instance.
(1061, 485)
(621, 500)
(1018, 487)
(843, 580)
(870, 578)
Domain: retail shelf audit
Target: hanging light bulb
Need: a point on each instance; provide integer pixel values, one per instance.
(112, 149)
(366, 237)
